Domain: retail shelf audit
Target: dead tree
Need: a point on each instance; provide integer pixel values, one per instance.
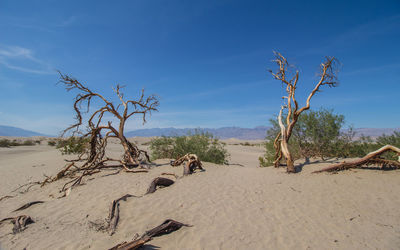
(99, 131)
(327, 76)
(373, 158)
(192, 163)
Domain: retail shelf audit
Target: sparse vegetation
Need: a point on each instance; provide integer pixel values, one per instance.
(320, 134)
(73, 145)
(5, 143)
(52, 143)
(290, 107)
(204, 145)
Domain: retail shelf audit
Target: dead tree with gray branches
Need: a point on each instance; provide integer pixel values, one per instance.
(99, 131)
(289, 79)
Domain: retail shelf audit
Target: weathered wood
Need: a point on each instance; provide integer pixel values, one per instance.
(100, 131)
(370, 159)
(113, 214)
(289, 80)
(20, 222)
(28, 205)
(132, 245)
(159, 182)
(166, 227)
(191, 161)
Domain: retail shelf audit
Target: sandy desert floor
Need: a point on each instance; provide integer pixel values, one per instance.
(239, 206)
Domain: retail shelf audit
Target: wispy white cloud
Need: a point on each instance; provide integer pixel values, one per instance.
(23, 60)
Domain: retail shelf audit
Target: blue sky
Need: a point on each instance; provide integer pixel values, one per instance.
(206, 60)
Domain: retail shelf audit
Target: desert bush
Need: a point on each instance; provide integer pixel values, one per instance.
(52, 143)
(28, 143)
(316, 134)
(204, 145)
(73, 145)
(320, 134)
(7, 143)
(4, 143)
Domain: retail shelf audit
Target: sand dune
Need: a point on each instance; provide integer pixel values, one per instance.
(238, 206)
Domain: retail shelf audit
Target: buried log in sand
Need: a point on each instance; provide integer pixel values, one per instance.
(159, 182)
(168, 226)
(372, 158)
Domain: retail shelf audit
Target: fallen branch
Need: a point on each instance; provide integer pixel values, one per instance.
(20, 222)
(372, 158)
(28, 205)
(7, 197)
(159, 182)
(166, 227)
(192, 163)
(110, 223)
(135, 244)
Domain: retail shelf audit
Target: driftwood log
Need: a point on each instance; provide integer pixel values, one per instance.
(28, 205)
(166, 227)
(159, 182)
(113, 215)
(191, 161)
(20, 222)
(372, 158)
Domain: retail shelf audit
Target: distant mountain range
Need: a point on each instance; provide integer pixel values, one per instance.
(19, 132)
(241, 133)
(222, 133)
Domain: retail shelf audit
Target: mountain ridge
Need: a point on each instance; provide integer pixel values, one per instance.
(256, 133)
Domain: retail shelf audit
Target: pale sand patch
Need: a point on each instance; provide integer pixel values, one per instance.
(231, 207)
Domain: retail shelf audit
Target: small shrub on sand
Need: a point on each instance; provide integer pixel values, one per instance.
(5, 143)
(204, 145)
(73, 145)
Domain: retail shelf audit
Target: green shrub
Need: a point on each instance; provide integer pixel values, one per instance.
(28, 143)
(206, 147)
(73, 145)
(316, 134)
(7, 143)
(319, 134)
(4, 143)
(52, 143)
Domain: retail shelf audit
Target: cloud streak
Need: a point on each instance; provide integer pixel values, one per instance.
(15, 58)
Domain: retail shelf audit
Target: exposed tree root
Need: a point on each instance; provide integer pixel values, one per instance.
(372, 158)
(192, 163)
(20, 222)
(7, 197)
(132, 245)
(28, 205)
(166, 227)
(159, 182)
